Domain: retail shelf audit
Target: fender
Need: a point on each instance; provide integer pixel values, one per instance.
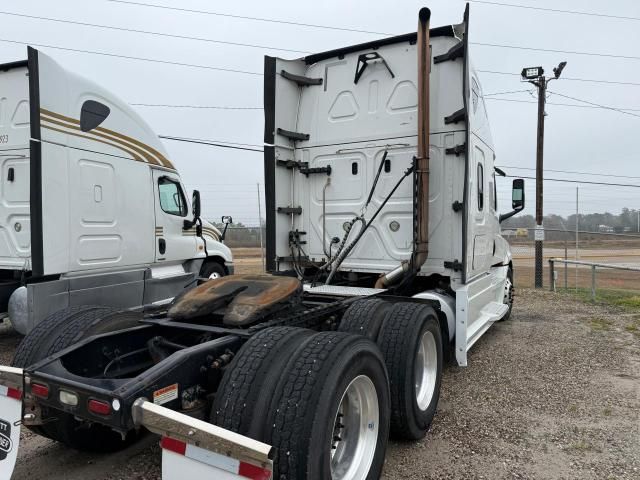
(217, 249)
(447, 306)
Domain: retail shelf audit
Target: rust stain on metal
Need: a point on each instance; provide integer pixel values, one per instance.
(242, 299)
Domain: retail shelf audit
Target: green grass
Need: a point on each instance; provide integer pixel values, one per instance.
(600, 324)
(581, 446)
(627, 299)
(634, 326)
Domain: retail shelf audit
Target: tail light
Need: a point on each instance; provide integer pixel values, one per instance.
(40, 390)
(99, 407)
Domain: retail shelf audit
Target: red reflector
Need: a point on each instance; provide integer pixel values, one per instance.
(99, 407)
(14, 393)
(40, 390)
(173, 445)
(255, 473)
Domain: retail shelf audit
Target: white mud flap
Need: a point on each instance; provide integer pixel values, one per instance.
(10, 418)
(192, 448)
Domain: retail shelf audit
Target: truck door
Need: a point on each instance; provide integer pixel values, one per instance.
(172, 244)
(480, 234)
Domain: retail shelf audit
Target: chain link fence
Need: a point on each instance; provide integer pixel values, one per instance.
(608, 248)
(244, 237)
(605, 249)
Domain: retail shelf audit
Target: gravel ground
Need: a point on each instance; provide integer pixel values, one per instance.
(554, 393)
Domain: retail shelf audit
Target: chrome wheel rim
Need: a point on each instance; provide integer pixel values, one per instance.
(355, 431)
(425, 370)
(508, 292)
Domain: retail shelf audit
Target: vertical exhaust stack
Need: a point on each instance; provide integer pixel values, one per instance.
(421, 164)
(421, 240)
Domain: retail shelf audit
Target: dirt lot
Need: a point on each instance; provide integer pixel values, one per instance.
(552, 393)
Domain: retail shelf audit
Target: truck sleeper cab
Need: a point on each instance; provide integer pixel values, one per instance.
(343, 343)
(92, 211)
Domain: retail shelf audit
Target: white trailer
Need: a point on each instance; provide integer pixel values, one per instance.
(385, 258)
(92, 211)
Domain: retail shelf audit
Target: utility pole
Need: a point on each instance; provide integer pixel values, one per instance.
(535, 76)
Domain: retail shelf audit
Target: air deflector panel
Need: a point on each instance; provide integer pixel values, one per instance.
(92, 115)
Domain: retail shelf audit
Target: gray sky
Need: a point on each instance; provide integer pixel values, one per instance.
(582, 139)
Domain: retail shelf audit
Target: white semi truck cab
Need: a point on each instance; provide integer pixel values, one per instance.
(385, 258)
(92, 211)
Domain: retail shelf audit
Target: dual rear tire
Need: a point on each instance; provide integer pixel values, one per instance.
(327, 401)
(326, 407)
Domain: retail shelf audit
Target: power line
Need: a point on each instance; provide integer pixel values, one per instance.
(245, 72)
(596, 104)
(505, 93)
(586, 182)
(570, 171)
(566, 105)
(555, 10)
(148, 32)
(243, 17)
(215, 107)
(206, 142)
(573, 79)
(106, 54)
(268, 47)
(571, 52)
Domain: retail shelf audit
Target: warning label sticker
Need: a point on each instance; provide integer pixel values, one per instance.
(166, 394)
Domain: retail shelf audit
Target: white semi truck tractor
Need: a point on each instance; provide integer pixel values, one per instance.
(92, 211)
(385, 258)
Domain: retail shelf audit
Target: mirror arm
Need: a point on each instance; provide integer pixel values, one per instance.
(187, 224)
(504, 216)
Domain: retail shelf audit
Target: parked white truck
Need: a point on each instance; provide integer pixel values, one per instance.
(384, 247)
(92, 211)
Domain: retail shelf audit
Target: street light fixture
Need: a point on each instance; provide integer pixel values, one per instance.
(558, 70)
(532, 73)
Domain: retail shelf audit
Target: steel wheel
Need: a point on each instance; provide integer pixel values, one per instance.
(214, 276)
(426, 370)
(355, 433)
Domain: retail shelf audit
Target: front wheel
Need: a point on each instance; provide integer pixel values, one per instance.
(508, 293)
(212, 271)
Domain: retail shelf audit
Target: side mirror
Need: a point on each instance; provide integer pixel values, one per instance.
(227, 220)
(517, 199)
(517, 194)
(195, 205)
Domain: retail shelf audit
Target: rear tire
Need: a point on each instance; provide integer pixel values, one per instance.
(364, 317)
(242, 400)
(62, 426)
(36, 343)
(411, 343)
(329, 417)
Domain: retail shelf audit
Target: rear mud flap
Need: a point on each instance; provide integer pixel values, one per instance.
(10, 419)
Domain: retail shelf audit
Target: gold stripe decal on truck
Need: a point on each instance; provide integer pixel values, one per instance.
(148, 154)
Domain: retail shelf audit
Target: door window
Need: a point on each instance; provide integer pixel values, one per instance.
(480, 187)
(172, 200)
